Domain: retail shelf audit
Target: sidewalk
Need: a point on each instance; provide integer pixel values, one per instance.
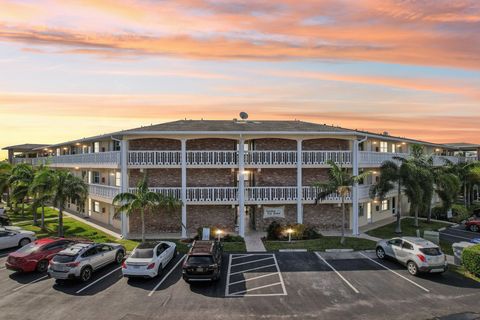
(98, 225)
(253, 241)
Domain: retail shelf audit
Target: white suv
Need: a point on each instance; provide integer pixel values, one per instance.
(419, 255)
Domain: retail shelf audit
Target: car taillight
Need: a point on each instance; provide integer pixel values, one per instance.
(421, 257)
(151, 266)
(73, 264)
(124, 265)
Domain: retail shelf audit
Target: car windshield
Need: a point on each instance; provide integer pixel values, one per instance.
(64, 258)
(200, 260)
(29, 248)
(431, 251)
(142, 253)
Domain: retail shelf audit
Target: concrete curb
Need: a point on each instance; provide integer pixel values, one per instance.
(292, 250)
(369, 251)
(338, 250)
(442, 229)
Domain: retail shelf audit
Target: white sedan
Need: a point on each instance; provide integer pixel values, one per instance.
(148, 259)
(11, 237)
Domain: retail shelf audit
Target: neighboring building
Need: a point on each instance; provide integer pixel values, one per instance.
(235, 174)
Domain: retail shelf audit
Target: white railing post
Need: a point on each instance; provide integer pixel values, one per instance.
(241, 187)
(299, 182)
(184, 187)
(124, 183)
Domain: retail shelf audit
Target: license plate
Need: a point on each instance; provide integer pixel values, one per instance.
(136, 267)
(58, 268)
(437, 270)
(200, 269)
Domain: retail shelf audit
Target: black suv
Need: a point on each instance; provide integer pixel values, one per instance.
(203, 262)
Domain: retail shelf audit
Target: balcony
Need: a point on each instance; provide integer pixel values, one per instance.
(90, 160)
(102, 192)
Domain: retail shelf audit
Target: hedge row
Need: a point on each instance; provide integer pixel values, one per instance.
(471, 259)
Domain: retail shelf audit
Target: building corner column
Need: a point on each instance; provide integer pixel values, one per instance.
(299, 182)
(241, 187)
(184, 187)
(355, 204)
(124, 183)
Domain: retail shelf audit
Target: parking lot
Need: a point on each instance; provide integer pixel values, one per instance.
(301, 285)
(458, 233)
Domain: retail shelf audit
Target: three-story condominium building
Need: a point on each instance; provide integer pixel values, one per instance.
(235, 174)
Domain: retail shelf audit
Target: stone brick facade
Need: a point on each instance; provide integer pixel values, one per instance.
(313, 175)
(274, 144)
(276, 177)
(211, 144)
(210, 178)
(157, 177)
(321, 216)
(197, 216)
(155, 144)
(326, 144)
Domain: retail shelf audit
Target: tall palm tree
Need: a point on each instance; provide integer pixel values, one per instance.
(340, 182)
(447, 186)
(20, 181)
(42, 190)
(143, 200)
(67, 187)
(390, 178)
(465, 172)
(5, 174)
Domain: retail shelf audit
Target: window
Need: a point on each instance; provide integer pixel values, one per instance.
(360, 210)
(96, 206)
(118, 179)
(96, 147)
(407, 246)
(394, 148)
(104, 248)
(95, 177)
(90, 252)
(395, 242)
(384, 205)
(383, 146)
(116, 145)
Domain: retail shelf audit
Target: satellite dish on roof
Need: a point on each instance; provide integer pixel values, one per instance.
(244, 115)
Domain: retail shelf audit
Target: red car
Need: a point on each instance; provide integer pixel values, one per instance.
(473, 225)
(36, 255)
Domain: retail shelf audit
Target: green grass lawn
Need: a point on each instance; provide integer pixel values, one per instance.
(408, 229)
(321, 244)
(16, 217)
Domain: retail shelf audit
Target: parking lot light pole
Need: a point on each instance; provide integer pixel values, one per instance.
(219, 233)
(289, 231)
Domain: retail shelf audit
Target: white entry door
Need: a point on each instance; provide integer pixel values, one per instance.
(369, 212)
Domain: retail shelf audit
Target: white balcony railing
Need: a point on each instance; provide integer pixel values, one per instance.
(322, 157)
(255, 157)
(102, 191)
(212, 158)
(109, 159)
(369, 158)
(154, 158)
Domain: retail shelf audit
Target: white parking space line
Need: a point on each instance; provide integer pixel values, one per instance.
(26, 284)
(254, 278)
(253, 269)
(276, 282)
(405, 278)
(256, 288)
(252, 261)
(98, 280)
(338, 273)
(463, 231)
(455, 236)
(166, 276)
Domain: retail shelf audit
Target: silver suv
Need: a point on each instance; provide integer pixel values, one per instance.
(80, 260)
(419, 255)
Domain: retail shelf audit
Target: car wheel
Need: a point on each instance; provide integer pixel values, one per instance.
(412, 268)
(175, 252)
(119, 257)
(86, 274)
(42, 265)
(23, 242)
(380, 253)
(474, 228)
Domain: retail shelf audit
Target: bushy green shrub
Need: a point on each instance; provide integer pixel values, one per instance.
(274, 231)
(471, 259)
(460, 213)
(232, 238)
(439, 212)
(277, 231)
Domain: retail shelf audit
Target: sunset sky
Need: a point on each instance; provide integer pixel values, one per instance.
(70, 69)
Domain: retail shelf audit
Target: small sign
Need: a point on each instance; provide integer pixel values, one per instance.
(206, 234)
(449, 214)
(433, 236)
(273, 212)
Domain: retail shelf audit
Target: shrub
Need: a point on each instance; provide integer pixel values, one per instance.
(274, 231)
(232, 238)
(460, 213)
(471, 259)
(311, 233)
(213, 235)
(439, 212)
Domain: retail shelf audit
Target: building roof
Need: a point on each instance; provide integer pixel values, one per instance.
(464, 146)
(26, 147)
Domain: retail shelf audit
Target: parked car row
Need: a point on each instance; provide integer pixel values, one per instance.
(11, 237)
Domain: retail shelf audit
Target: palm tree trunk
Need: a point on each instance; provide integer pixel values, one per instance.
(416, 216)
(142, 217)
(465, 194)
(34, 211)
(342, 239)
(60, 221)
(23, 208)
(42, 223)
(429, 214)
(398, 228)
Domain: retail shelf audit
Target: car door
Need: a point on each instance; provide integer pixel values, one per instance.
(162, 254)
(4, 240)
(106, 254)
(91, 257)
(406, 251)
(392, 247)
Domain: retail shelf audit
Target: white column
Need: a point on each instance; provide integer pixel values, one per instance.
(184, 187)
(124, 182)
(241, 187)
(355, 156)
(299, 182)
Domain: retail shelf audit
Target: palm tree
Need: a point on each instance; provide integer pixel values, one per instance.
(390, 178)
(448, 186)
(5, 174)
(20, 181)
(466, 172)
(143, 199)
(66, 187)
(341, 182)
(41, 188)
